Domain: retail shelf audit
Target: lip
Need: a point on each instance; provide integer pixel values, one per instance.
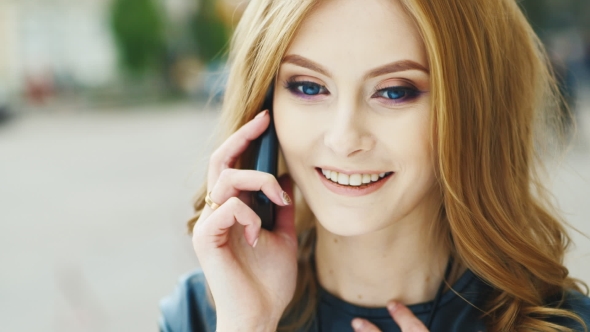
(351, 172)
(350, 190)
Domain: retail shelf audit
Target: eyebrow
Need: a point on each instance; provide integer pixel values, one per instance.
(392, 67)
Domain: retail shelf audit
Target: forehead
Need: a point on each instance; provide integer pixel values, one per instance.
(363, 34)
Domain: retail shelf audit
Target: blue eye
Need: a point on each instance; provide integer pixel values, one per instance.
(306, 88)
(397, 93)
(309, 88)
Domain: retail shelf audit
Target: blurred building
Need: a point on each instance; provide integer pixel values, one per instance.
(48, 46)
(46, 43)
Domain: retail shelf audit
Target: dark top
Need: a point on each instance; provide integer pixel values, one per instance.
(187, 309)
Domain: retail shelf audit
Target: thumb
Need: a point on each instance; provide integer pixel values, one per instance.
(285, 218)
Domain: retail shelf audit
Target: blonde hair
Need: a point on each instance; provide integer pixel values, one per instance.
(494, 97)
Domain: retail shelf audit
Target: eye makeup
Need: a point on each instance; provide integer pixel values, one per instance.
(388, 95)
(397, 94)
(304, 88)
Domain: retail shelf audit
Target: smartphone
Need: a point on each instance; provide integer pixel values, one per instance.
(266, 151)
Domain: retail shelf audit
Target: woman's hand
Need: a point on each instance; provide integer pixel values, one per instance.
(400, 314)
(251, 272)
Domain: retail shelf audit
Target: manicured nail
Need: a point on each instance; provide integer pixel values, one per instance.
(357, 324)
(255, 243)
(392, 306)
(286, 199)
(261, 114)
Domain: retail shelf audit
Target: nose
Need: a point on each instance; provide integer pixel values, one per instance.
(348, 133)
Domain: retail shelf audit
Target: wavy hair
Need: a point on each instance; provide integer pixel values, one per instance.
(495, 103)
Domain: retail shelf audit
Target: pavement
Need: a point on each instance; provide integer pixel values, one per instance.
(93, 206)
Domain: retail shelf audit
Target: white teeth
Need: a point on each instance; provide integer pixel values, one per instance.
(343, 178)
(334, 176)
(353, 179)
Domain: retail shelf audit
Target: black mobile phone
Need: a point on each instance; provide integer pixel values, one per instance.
(266, 150)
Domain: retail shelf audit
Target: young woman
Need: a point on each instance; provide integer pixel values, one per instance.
(410, 132)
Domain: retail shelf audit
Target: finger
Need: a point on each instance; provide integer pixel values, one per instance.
(405, 318)
(232, 181)
(226, 155)
(214, 230)
(285, 218)
(363, 325)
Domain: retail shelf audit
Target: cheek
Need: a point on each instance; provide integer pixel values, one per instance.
(419, 154)
(293, 131)
(419, 148)
(407, 137)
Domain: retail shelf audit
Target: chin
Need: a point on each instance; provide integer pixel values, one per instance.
(344, 224)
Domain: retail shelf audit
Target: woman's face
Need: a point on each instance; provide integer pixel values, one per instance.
(352, 100)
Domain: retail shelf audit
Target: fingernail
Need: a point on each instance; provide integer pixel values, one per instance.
(357, 324)
(255, 243)
(392, 306)
(286, 199)
(261, 114)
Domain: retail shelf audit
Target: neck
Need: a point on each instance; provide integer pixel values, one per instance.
(397, 263)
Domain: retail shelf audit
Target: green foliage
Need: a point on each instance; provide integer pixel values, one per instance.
(210, 33)
(138, 28)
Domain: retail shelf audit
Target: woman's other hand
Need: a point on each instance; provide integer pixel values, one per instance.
(400, 314)
(251, 272)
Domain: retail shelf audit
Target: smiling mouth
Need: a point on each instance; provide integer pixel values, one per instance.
(359, 181)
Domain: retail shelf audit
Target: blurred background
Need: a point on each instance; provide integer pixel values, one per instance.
(106, 108)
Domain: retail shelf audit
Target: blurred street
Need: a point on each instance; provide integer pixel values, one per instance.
(94, 204)
(93, 211)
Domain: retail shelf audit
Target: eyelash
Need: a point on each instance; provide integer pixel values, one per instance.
(409, 93)
(296, 86)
